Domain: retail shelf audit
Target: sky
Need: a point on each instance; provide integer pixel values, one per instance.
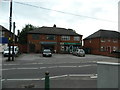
(83, 16)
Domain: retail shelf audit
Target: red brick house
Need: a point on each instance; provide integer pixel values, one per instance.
(59, 40)
(103, 42)
(4, 35)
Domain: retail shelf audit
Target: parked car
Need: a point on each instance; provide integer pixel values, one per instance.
(47, 52)
(79, 52)
(6, 51)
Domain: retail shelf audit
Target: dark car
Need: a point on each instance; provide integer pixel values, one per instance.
(47, 52)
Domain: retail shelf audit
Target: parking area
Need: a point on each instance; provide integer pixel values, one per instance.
(57, 58)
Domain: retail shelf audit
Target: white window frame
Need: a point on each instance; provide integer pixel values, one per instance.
(115, 48)
(115, 40)
(102, 48)
(65, 38)
(76, 38)
(102, 40)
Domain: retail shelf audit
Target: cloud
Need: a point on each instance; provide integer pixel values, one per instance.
(102, 9)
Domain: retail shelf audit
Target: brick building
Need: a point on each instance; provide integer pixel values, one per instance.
(4, 36)
(103, 42)
(59, 40)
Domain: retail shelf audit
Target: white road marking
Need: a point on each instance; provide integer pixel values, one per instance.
(53, 67)
(94, 76)
(23, 68)
(42, 67)
(45, 63)
(67, 66)
(58, 76)
(23, 79)
(53, 77)
(79, 75)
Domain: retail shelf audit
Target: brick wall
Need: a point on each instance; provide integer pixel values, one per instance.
(96, 44)
(42, 38)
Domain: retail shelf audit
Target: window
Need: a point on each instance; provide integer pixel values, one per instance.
(103, 48)
(89, 41)
(35, 36)
(1, 34)
(76, 38)
(102, 40)
(65, 38)
(109, 40)
(114, 48)
(50, 37)
(115, 40)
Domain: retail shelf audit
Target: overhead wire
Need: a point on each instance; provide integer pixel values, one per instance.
(35, 6)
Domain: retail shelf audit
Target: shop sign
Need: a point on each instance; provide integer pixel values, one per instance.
(72, 43)
(47, 42)
(3, 40)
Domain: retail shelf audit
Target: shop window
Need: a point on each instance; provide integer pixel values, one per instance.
(50, 37)
(62, 48)
(35, 36)
(65, 38)
(76, 38)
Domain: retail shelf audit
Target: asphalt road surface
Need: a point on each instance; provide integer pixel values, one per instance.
(65, 71)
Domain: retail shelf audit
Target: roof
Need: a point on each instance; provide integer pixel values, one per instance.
(104, 34)
(3, 28)
(54, 31)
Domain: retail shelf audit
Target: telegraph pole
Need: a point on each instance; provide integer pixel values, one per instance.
(13, 39)
(10, 26)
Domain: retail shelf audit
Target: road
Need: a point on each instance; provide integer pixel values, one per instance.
(66, 71)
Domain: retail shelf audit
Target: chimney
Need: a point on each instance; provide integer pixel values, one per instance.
(18, 32)
(54, 25)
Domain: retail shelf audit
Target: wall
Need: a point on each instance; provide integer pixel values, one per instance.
(108, 75)
(93, 44)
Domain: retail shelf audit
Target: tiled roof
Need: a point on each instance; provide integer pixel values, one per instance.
(3, 28)
(54, 31)
(104, 34)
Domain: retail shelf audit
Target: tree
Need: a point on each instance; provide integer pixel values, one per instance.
(23, 34)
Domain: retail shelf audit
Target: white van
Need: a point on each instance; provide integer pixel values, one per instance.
(6, 51)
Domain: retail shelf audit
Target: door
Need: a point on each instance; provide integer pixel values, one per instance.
(31, 48)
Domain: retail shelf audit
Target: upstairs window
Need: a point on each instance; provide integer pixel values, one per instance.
(102, 40)
(50, 37)
(109, 40)
(65, 38)
(35, 36)
(89, 41)
(115, 40)
(76, 38)
(1, 34)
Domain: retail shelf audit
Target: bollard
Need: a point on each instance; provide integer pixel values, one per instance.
(47, 86)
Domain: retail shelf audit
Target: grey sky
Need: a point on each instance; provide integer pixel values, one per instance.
(106, 11)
